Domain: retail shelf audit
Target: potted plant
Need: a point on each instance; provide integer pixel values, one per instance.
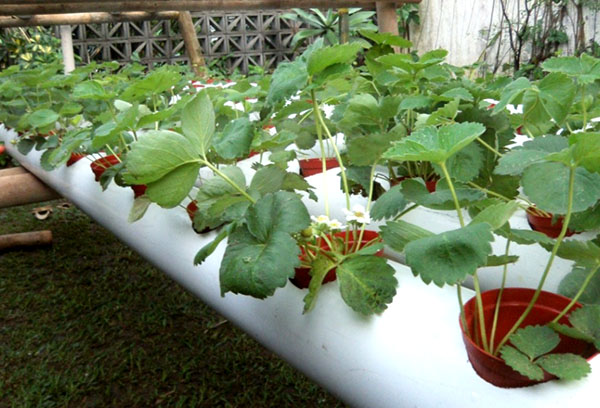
(528, 335)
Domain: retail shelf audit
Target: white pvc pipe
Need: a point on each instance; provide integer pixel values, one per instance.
(66, 42)
(410, 356)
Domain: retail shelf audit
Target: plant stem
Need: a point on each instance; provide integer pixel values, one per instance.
(588, 279)
(490, 148)
(583, 108)
(369, 201)
(335, 149)
(497, 308)
(228, 180)
(480, 312)
(463, 318)
(113, 153)
(320, 137)
(453, 192)
(407, 210)
(559, 240)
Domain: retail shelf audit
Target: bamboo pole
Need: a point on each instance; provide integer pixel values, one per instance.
(83, 18)
(64, 6)
(25, 239)
(25, 188)
(66, 43)
(192, 46)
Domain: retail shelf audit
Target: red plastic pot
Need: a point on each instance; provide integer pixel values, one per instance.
(100, 165)
(302, 277)
(310, 167)
(514, 301)
(74, 158)
(430, 184)
(191, 209)
(544, 225)
(138, 190)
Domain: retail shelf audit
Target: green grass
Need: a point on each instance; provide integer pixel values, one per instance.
(88, 323)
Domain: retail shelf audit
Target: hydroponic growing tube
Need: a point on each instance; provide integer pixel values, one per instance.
(411, 355)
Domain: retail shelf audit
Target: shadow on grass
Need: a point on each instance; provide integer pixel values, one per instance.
(88, 323)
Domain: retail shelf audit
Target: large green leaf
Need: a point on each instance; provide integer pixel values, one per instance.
(397, 234)
(367, 150)
(268, 179)
(173, 187)
(566, 366)
(584, 253)
(414, 190)
(287, 80)
(235, 139)
(516, 161)
(496, 215)
(433, 144)
(156, 154)
(535, 341)
(586, 151)
(587, 321)
(281, 211)
(319, 269)
(90, 90)
(157, 81)
(386, 38)
(511, 93)
(573, 282)
(367, 283)
(585, 69)
(42, 118)
(466, 164)
(526, 237)
(325, 57)
(547, 185)
(198, 122)
(521, 363)
(261, 255)
(389, 204)
(449, 257)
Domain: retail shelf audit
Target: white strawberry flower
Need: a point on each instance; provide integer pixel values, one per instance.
(358, 215)
(323, 222)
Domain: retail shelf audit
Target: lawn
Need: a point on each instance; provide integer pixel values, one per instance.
(88, 323)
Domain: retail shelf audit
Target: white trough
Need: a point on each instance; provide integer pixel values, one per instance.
(410, 356)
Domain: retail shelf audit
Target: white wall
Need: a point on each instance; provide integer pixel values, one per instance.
(460, 26)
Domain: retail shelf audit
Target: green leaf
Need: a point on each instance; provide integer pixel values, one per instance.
(139, 208)
(526, 237)
(435, 145)
(328, 56)
(41, 118)
(584, 253)
(198, 122)
(367, 283)
(209, 248)
(585, 69)
(573, 282)
(319, 269)
(367, 150)
(70, 109)
(262, 255)
(521, 363)
(173, 188)
(389, 204)
(499, 260)
(281, 211)
(235, 139)
(587, 320)
(511, 93)
(288, 78)
(90, 90)
(547, 185)
(516, 161)
(535, 341)
(465, 165)
(397, 234)
(386, 38)
(460, 93)
(268, 179)
(496, 215)
(448, 258)
(414, 190)
(586, 151)
(416, 102)
(156, 82)
(565, 366)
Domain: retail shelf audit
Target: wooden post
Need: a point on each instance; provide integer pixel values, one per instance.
(25, 239)
(25, 188)
(192, 46)
(387, 18)
(66, 43)
(11, 171)
(344, 25)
